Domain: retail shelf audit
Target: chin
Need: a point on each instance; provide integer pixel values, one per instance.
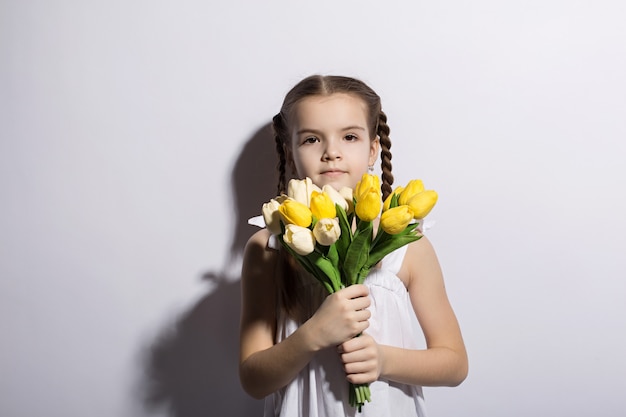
(337, 181)
(336, 184)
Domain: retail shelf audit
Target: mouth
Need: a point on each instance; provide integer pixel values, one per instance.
(333, 172)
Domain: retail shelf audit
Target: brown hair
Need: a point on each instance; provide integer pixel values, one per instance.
(316, 85)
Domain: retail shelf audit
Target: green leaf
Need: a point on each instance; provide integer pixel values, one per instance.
(326, 266)
(302, 260)
(314, 221)
(362, 274)
(394, 201)
(351, 217)
(333, 256)
(388, 244)
(358, 252)
(345, 238)
(381, 237)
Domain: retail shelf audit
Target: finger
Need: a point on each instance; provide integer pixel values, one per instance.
(355, 345)
(362, 378)
(351, 357)
(359, 328)
(357, 290)
(358, 367)
(362, 315)
(360, 303)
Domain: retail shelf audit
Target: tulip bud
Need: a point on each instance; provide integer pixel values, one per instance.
(412, 188)
(322, 206)
(348, 196)
(387, 203)
(300, 239)
(272, 216)
(336, 196)
(395, 220)
(294, 212)
(327, 231)
(296, 189)
(300, 190)
(368, 205)
(367, 181)
(423, 203)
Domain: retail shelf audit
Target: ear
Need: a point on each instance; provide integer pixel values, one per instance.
(374, 149)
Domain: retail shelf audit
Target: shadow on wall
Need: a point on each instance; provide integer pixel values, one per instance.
(192, 368)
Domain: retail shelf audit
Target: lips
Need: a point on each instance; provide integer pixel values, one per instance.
(332, 172)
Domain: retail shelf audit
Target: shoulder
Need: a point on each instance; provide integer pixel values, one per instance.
(420, 261)
(259, 239)
(259, 243)
(257, 254)
(421, 247)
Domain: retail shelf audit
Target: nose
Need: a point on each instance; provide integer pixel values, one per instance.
(331, 151)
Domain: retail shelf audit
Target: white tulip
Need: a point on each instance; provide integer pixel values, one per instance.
(327, 231)
(300, 239)
(272, 216)
(347, 194)
(300, 190)
(336, 196)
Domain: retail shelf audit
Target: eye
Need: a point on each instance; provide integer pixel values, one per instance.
(351, 137)
(310, 139)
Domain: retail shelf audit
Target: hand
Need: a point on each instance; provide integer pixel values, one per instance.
(342, 316)
(361, 359)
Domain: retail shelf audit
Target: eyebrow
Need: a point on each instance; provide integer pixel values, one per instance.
(318, 132)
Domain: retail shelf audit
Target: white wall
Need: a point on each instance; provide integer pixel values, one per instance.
(134, 144)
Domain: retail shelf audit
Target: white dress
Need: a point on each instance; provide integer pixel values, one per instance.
(321, 388)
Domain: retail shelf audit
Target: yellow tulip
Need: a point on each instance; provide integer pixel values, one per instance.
(336, 196)
(300, 239)
(412, 188)
(423, 203)
(368, 205)
(322, 206)
(327, 231)
(387, 203)
(294, 212)
(367, 181)
(395, 220)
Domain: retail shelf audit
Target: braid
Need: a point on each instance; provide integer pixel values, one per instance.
(385, 154)
(279, 129)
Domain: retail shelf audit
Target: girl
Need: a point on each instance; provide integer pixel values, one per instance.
(298, 345)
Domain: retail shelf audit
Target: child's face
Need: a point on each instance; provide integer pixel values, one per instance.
(330, 140)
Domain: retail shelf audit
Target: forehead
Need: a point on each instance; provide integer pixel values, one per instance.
(334, 111)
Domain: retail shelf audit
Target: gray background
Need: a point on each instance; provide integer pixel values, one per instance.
(134, 145)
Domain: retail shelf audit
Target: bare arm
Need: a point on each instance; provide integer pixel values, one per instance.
(264, 367)
(444, 361)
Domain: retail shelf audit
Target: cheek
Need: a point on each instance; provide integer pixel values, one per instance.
(302, 167)
(298, 162)
(369, 156)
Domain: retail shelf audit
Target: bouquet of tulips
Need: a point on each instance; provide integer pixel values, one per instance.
(331, 235)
